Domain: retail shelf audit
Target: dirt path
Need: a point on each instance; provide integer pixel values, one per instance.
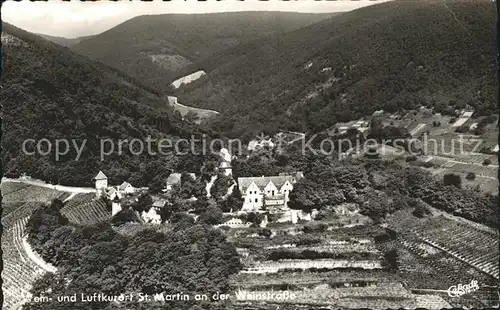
(37, 259)
(61, 188)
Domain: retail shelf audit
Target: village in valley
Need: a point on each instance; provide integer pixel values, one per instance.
(365, 173)
(336, 252)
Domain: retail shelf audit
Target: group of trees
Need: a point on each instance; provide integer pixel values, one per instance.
(480, 128)
(43, 222)
(192, 258)
(380, 188)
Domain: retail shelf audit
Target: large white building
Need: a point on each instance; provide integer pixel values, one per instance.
(266, 191)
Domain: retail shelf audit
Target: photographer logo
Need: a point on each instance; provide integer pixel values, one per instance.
(462, 289)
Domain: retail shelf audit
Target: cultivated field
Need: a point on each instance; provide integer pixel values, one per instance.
(21, 265)
(20, 270)
(358, 280)
(84, 209)
(443, 250)
(486, 177)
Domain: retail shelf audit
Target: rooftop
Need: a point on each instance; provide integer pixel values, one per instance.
(100, 176)
(262, 181)
(124, 185)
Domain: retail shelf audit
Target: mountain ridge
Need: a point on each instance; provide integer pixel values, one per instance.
(388, 56)
(154, 48)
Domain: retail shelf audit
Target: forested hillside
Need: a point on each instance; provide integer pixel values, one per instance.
(187, 259)
(153, 48)
(52, 93)
(394, 55)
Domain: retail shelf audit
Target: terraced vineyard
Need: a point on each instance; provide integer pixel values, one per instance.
(24, 210)
(477, 247)
(456, 250)
(16, 195)
(85, 210)
(31, 193)
(22, 266)
(8, 207)
(295, 279)
(11, 187)
(19, 269)
(444, 271)
(351, 282)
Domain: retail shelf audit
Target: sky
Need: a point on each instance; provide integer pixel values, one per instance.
(75, 18)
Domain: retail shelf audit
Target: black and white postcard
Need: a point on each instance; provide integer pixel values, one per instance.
(253, 155)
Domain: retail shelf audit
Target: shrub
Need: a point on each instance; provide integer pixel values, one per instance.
(265, 232)
(273, 217)
(315, 227)
(479, 131)
(307, 240)
(411, 158)
(391, 260)
(487, 162)
(421, 211)
(387, 235)
(124, 216)
(428, 164)
(452, 179)
(471, 176)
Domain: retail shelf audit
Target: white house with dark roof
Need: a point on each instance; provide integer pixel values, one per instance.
(126, 188)
(269, 191)
(112, 193)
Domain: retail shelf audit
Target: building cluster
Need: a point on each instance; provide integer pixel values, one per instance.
(113, 193)
(260, 194)
(255, 144)
(341, 128)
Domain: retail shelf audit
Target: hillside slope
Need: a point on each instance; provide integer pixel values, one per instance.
(153, 47)
(52, 93)
(399, 54)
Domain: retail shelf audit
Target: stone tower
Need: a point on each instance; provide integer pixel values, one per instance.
(225, 162)
(101, 183)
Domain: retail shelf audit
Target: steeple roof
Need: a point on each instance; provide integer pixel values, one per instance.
(100, 176)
